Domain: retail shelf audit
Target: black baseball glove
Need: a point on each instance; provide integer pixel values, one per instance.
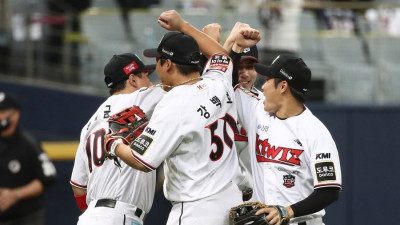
(246, 214)
(125, 126)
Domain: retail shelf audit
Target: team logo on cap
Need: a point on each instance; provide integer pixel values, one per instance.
(130, 68)
(283, 72)
(246, 50)
(167, 52)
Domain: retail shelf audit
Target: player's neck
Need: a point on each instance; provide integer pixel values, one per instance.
(290, 108)
(182, 80)
(126, 90)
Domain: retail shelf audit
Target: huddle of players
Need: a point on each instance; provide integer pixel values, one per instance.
(192, 130)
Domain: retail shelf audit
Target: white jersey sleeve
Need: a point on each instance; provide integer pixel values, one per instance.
(162, 132)
(80, 173)
(324, 159)
(219, 64)
(246, 106)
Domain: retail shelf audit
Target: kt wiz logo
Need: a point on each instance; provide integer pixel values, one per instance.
(265, 152)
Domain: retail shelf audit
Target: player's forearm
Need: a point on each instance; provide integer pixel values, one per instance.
(78, 191)
(32, 189)
(317, 201)
(207, 45)
(124, 152)
(228, 44)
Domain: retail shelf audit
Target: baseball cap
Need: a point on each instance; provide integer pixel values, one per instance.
(289, 68)
(180, 48)
(250, 53)
(8, 101)
(120, 66)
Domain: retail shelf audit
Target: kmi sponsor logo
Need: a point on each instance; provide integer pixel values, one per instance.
(323, 156)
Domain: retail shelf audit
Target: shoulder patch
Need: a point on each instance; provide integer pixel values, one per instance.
(141, 144)
(219, 62)
(325, 171)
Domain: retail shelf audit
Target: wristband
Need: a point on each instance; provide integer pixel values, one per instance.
(114, 145)
(236, 48)
(283, 213)
(81, 201)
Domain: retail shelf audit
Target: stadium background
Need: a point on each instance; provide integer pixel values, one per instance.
(356, 97)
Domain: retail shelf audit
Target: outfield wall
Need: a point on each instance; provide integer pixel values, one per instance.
(367, 138)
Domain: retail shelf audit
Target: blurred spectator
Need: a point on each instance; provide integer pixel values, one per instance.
(204, 5)
(344, 21)
(384, 20)
(5, 36)
(25, 170)
(280, 30)
(280, 25)
(125, 6)
(58, 11)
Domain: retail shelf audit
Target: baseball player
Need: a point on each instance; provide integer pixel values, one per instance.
(245, 73)
(294, 159)
(110, 191)
(192, 128)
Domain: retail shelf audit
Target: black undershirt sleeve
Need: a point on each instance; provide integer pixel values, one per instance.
(317, 201)
(236, 62)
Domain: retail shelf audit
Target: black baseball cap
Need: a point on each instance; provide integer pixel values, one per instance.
(250, 53)
(121, 66)
(180, 48)
(289, 68)
(7, 101)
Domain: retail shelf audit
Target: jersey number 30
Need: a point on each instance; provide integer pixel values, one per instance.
(216, 154)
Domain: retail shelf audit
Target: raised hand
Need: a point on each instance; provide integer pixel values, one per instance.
(171, 20)
(213, 30)
(247, 37)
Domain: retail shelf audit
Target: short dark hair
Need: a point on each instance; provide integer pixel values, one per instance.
(117, 87)
(296, 94)
(184, 69)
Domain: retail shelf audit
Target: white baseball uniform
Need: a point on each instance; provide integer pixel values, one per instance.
(131, 188)
(244, 179)
(289, 157)
(192, 129)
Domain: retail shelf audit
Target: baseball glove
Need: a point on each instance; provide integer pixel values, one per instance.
(246, 214)
(125, 126)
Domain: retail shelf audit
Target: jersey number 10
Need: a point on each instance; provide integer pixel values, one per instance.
(94, 151)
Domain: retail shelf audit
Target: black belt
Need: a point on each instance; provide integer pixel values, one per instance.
(303, 223)
(110, 203)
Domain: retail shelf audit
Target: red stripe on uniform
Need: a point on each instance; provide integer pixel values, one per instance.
(239, 137)
(78, 185)
(327, 185)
